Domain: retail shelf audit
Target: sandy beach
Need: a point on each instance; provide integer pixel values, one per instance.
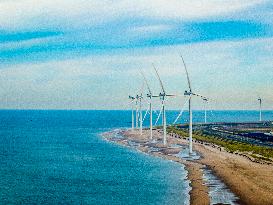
(250, 181)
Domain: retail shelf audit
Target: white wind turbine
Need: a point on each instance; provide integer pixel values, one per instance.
(139, 98)
(138, 109)
(190, 94)
(132, 102)
(139, 112)
(136, 99)
(162, 96)
(260, 103)
(149, 95)
(205, 100)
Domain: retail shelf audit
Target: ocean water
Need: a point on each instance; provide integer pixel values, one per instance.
(215, 116)
(59, 157)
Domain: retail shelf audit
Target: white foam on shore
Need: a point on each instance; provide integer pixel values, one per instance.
(116, 135)
(184, 154)
(218, 191)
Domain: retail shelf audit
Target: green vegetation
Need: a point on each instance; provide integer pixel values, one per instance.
(229, 145)
(260, 157)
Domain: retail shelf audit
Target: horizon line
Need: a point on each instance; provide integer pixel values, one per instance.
(15, 109)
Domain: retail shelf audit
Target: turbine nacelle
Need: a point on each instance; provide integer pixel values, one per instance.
(187, 93)
(162, 94)
(139, 96)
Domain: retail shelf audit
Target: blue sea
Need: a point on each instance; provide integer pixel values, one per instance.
(59, 157)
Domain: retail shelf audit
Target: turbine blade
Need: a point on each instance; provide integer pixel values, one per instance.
(142, 88)
(147, 84)
(126, 104)
(171, 95)
(181, 112)
(189, 82)
(146, 101)
(145, 115)
(203, 97)
(158, 115)
(161, 84)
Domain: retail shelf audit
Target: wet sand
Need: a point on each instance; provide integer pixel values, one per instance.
(250, 181)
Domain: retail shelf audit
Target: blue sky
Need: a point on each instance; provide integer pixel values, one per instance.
(66, 54)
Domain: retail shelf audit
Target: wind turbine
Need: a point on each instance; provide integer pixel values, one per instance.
(190, 94)
(149, 95)
(132, 102)
(136, 112)
(139, 98)
(205, 100)
(140, 112)
(260, 102)
(162, 96)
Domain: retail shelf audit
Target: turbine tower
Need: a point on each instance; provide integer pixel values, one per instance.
(162, 96)
(190, 94)
(139, 112)
(149, 95)
(205, 108)
(136, 112)
(139, 98)
(260, 102)
(132, 102)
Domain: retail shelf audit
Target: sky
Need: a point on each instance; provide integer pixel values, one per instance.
(67, 54)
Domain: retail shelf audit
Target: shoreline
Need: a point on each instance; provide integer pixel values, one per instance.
(250, 181)
(198, 191)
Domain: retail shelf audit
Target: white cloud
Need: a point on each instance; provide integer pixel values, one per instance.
(151, 29)
(193, 8)
(224, 71)
(229, 71)
(70, 14)
(26, 43)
